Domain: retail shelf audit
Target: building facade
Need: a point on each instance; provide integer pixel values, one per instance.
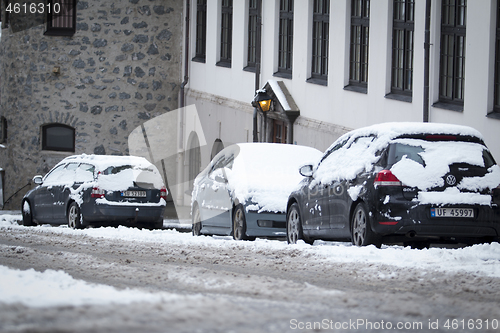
(342, 65)
(80, 79)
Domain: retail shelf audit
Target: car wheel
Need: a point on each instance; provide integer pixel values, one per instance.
(196, 226)
(361, 231)
(293, 225)
(74, 216)
(27, 214)
(239, 224)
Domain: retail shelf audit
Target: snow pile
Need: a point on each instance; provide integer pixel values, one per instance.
(483, 259)
(57, 288)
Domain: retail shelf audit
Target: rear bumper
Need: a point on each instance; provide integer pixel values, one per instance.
(122, 214)
(266, 224)
(412, 220)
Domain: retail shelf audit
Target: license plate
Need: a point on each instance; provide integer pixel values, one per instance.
(134, 194)
(452, 212)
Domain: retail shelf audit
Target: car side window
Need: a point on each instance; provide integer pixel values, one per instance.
(54, 174)
(85, 173)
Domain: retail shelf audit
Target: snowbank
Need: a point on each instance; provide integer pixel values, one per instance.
(57, 288)
(481, 259)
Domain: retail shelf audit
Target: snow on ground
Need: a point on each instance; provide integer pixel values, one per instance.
(57, 288)
(482, 260)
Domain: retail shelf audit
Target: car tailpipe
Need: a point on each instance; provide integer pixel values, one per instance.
(411, 234)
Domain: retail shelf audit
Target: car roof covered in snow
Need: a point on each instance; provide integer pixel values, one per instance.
(102, 162)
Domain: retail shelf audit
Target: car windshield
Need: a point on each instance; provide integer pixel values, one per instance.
(122, 177)
(423, 163)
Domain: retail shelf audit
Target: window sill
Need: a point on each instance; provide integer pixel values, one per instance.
(493, 115)
(399, 97)
(198, 59)
(223, 64)
(320, 82)
(283, 75)
(358, 89)
(250, 69)
(449, 106)
(59, 32)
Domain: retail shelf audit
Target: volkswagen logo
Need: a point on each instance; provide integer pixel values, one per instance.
(451, 180)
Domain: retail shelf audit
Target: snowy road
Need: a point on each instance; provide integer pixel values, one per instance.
(166, 281)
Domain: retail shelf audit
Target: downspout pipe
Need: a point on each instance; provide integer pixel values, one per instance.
(427, 46)
(182, 104)
(257, 66)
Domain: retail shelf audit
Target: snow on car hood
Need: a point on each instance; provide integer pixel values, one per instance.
(264, 174)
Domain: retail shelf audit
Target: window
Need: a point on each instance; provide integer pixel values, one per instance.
(226, 33)
(321, 24)
(1, 188)
(216, 148)
(201, 31)
(253, 15)
(279, 131)
(58, 137)
(285, 44)
(194, 159)
(496, 106)
(402, 47)
(452, 62)
(3, 129)
(358, 63)
(61, 17)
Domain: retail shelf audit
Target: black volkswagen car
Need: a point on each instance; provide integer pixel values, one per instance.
(84, 190)
(399, 182)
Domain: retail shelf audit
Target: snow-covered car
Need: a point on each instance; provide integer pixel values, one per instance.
(399, 182)
(244, 190)
(84, 190)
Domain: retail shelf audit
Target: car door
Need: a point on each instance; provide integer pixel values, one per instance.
(44, 195)
(214, 198)
(62, 191)
(344, 190)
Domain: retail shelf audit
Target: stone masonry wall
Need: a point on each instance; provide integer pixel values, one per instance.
(120, 69)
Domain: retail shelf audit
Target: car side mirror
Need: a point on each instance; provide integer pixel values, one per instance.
(38, 180)
(306, 170)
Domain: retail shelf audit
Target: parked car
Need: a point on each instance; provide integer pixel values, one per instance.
(399, 182)
(84, 190)
(244, 190)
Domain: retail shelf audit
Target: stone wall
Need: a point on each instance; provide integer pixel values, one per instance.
(121, 68)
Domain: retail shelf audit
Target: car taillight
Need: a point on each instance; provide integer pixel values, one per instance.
(97, 193)
(163, 193)
(386, 178)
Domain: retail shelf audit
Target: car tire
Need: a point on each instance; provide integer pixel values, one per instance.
(196, 225)
(361, 231)
(27, 214)
(74, 216)
(239, 223)
(294, 225)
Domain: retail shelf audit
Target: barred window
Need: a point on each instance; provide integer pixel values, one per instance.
(201, 31)
(252, 33)
(496, 107)
(402, 47)
(360, 24)
(61, 17)
(285, 47)
(226, 33)
(320, 38)
(452, 62)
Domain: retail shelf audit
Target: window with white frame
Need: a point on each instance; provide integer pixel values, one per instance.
(226, 33)
(402, 47)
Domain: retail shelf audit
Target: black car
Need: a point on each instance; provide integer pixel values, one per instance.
(84, 190)
(399, 182)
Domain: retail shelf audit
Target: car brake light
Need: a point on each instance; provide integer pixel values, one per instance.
(386, 178)
(97, 193)
(163, 193)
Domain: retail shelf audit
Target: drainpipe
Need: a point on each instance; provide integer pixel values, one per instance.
(427, 46)
(182, 103)
(257, 65)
